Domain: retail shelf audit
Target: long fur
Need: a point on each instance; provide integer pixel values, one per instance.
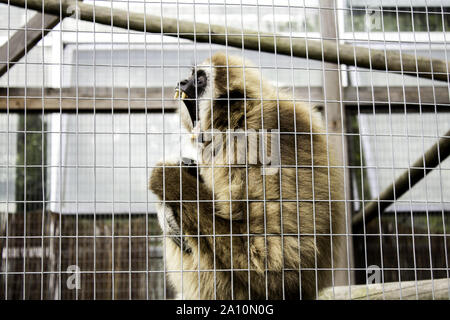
(283, 227)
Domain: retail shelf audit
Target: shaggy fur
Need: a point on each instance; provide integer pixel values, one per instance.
(281, 225)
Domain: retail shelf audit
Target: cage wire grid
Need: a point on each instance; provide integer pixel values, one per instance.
(87, 113)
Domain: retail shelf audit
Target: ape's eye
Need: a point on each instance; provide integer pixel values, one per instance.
(201, 80)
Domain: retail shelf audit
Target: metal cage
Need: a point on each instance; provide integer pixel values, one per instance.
(87, 111)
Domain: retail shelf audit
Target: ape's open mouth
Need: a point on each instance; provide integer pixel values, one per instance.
(177, 94)
(190, 90)
(189, 102)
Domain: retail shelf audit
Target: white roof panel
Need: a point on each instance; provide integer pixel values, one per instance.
(392, 142)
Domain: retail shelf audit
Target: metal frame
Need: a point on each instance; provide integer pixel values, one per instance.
(78, 101)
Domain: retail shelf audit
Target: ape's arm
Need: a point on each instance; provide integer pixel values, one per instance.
(190, 202)
(192, 205)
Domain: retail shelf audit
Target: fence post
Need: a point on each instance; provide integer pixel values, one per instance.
(335, 115)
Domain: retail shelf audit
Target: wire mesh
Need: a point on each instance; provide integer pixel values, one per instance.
(87, 116)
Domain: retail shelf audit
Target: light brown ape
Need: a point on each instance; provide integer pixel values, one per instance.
(250, 229)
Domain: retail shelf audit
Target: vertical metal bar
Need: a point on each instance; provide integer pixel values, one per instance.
(376, 162)
(420, 107)
(388, 86)
(164, 157)
(423, 146)
(358, 115)
(61, 59)
(197, 154)
(261, 136)
(392, 154)
(179, 153)
(164, 160)
(230, 202)
(340, 121)
(95, 175)
(129, 151)
(421, 116)
(328, 88)
(439, 156)
(308, 70)
(113, 262)
(349, 254)
(95, 148)
(279, 152)
(246, 152)
(146, 154)
(42, 161)
(25, 162)
(77, 141)
(212, 162)
(7, 158)
(409, 161)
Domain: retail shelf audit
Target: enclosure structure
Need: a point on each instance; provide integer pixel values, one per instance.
(87, 110)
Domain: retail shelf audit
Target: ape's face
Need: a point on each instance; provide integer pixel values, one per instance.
(191, 90)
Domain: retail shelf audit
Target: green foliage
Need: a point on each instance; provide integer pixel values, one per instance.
(30, 173)
(356, 159)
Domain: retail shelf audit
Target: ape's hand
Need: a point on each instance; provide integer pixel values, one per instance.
(184, 197)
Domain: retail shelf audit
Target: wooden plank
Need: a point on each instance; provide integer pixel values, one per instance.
(407, 180)
(25, 39)
(327, 50)
(397, 95)
(122, 92)
(104, 99)
(152, 98)
(69, 105)
(438, 289)
(86, 99)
